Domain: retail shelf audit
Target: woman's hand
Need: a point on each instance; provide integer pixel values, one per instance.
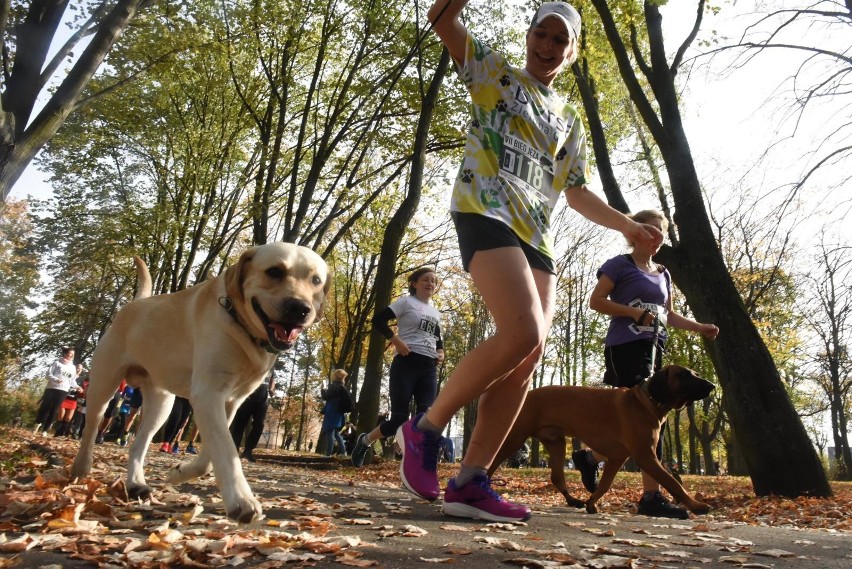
(645, 318)
(440, 358)
(401, 347)
(643, 233)
(709, 331)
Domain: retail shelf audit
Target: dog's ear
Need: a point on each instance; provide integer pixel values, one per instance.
(234, 277)
(658, 386)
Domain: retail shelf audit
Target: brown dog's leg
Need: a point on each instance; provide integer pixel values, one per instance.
(611, 467)
(513, 442)
(651, 466)
(556, 448)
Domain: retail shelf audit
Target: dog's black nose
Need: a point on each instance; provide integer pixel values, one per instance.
(295, 310)
(706, 388)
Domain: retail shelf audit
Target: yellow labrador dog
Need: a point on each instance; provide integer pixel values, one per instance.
(213, 344)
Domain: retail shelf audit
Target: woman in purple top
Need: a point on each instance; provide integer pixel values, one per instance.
(635, 292)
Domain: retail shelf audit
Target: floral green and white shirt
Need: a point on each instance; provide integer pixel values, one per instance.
(525, 146)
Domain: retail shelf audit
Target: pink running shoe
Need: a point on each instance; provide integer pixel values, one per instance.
(477, 500)
(419, 466)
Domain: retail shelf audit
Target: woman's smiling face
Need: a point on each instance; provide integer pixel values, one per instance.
(425, 285)
(548, 47)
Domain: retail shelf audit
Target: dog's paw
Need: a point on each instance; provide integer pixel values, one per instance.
(699, 508)
(176, 475)
(245, 511)
(139, 491)
(591, 508)
(78, 472)
(574, 502)
(188, 470)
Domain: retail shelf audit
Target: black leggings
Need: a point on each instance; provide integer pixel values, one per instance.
(254, 409)
(50, 402)
(414, 375)
(179, 415)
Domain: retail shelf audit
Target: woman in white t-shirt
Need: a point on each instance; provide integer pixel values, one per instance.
(419, 350)
(61, 376)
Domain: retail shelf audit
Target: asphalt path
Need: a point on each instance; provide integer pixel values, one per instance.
(381, 525)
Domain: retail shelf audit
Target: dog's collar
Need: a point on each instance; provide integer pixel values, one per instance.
(228, 304)
(659, 410)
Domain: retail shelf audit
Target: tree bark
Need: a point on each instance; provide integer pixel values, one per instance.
(21, 140)
(765, 424)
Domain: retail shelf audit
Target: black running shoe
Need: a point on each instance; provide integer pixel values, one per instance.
(359, 453)
(584, 462)
(657, 506)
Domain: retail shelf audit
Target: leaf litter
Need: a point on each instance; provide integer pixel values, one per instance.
(93, 519)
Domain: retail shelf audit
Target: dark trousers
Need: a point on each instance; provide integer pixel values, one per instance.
(50, 402)
(253, 409)
(78, 423)
(179, 415)
(414, 375)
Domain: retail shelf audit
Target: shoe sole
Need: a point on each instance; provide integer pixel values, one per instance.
(401, 437)
(460, 510)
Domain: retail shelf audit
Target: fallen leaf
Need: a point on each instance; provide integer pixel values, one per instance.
(778, 553)
(735, 559)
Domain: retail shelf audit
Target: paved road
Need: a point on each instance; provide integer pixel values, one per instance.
(379, 523)
(562, 537)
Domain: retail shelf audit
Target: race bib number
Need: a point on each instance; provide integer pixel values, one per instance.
(428, 326)
(523, 165)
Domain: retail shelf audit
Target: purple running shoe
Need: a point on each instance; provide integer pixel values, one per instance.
(478, 501)
(419, 465)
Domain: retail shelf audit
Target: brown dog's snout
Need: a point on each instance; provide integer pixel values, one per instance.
(295, 310)
(698, 387)
(705, 388)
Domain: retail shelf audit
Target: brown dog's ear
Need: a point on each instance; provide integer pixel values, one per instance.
(234, 277)
(658, 386)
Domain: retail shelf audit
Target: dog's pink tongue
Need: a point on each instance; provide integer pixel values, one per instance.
(285, 334)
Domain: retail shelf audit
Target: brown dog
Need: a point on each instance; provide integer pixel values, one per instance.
(213, 344)
(616, 423)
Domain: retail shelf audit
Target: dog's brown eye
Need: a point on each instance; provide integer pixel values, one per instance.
(275, 272)
(316, 280)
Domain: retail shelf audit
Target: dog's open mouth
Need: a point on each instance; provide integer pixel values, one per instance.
(281, 335)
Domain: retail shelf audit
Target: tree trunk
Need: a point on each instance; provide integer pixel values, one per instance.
(674, 429)
(766, 425)
(368, 403)
(842, 457)
(705, 433)
(609, 182)
(736, 464)
(29, 137)
(694, 461)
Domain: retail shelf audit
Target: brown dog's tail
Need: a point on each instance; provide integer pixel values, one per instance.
(144, 284)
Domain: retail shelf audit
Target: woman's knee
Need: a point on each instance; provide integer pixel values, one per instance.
(526, 351)
(524, 340)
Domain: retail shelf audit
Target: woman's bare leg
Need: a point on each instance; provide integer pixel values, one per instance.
(498, 370)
